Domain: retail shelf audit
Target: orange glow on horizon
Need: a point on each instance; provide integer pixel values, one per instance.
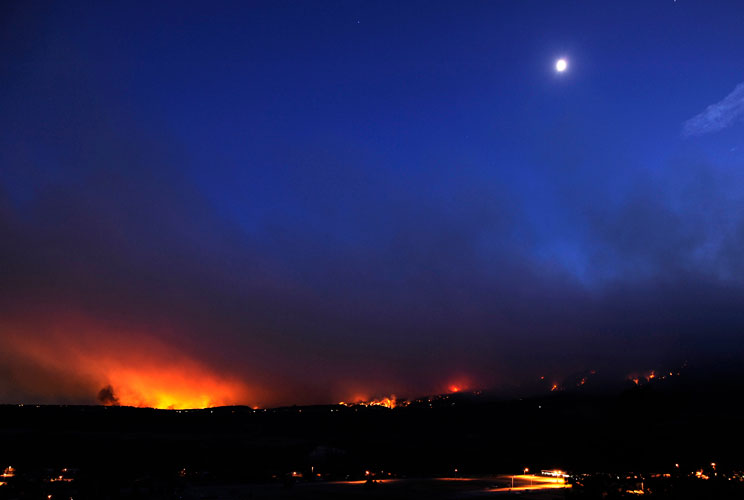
(172, 387)
(126, 369)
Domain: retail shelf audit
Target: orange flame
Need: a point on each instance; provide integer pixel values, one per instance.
(387, 402)
(458, 384)
(647, 377)
(186, 385)
(134, 370)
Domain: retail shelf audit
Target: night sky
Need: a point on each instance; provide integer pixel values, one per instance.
(306, 202)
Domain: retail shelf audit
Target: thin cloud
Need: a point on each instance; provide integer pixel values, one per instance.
(717, 116)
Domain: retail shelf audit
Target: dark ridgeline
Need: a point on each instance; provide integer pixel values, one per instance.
(643, 429)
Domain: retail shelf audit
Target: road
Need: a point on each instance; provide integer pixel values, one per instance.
(529, 482)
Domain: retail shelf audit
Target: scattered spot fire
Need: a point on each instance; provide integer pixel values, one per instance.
(655, 375)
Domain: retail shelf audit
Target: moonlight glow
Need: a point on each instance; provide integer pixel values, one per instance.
(561, 65)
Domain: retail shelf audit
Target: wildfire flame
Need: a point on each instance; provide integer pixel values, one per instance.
(126, 369)
(172, 387)
(458, 384)
(651, 375)
(387, 402)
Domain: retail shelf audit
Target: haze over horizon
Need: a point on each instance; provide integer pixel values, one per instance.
(274, 203)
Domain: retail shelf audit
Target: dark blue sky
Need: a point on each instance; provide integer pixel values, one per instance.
(324, 198)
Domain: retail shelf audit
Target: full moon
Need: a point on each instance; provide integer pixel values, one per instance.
(561, 65)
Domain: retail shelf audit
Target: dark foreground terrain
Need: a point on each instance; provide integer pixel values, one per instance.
(661, 441)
